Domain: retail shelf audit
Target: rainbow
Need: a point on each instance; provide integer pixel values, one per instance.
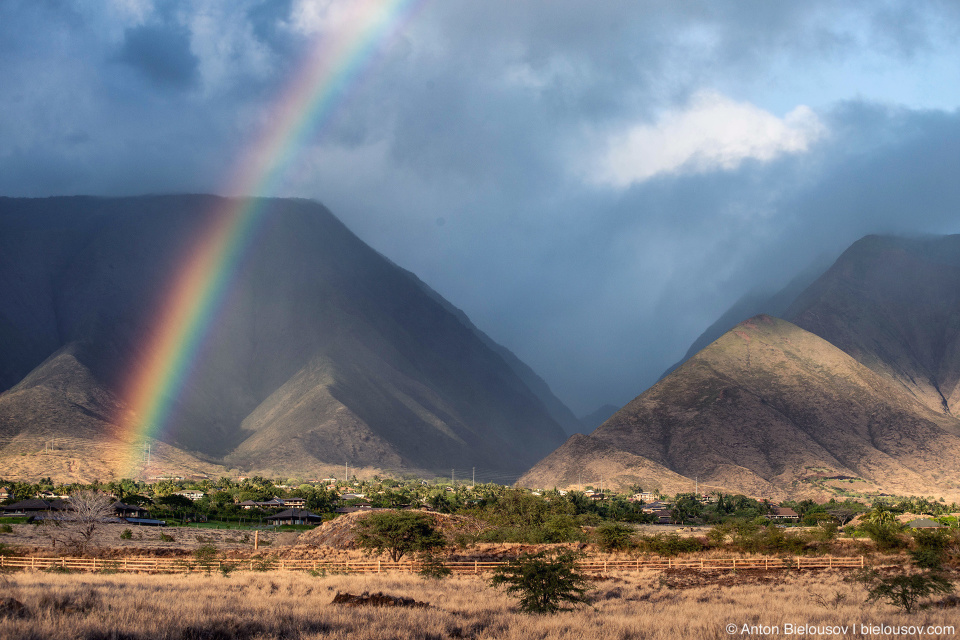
(198, 290)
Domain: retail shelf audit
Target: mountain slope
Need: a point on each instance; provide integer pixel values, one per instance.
(894, 305)
(770, 409)
(324, 353)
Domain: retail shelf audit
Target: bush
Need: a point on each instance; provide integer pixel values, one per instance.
(397, 533)
(543, 583)
(5, 528)
(670, 544)
(206, 557)
(886, 535)
(931, 548)
(611, 536)
(126, 534)
(432, 567)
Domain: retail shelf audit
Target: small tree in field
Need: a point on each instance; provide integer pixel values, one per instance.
(543, 583)
(398, 533)
(74, 527)
(906, 591)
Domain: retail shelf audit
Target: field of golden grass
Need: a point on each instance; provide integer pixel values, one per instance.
(651, 604)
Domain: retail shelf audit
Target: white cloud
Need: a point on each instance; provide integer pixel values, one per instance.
(712, 133)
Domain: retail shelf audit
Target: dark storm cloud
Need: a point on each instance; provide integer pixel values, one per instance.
(494, 117)
(162, 54)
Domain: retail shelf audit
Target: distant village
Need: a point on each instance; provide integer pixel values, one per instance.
(260, 502)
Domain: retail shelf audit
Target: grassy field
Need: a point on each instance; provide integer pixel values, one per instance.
(653, 604)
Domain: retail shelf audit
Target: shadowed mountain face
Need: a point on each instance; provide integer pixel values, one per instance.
(860, 393)
(894, 305)
(771, 410)
(324, 353)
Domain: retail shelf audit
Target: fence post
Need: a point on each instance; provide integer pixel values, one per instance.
(378, 565)
(701, 564)
(798, 562)
(861, 562)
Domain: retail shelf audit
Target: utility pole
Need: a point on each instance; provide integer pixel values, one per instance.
(451, 477)
(474, 476)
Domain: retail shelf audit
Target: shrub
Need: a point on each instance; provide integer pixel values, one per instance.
(886, 535)
(397, 533)
(5, 528)
(670, 544)
(432, 567)
(611, 536)
(543, 583)
(126, 534)
(931, 548)
(206, 556)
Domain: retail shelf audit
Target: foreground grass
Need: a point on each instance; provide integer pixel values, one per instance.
(652, 604)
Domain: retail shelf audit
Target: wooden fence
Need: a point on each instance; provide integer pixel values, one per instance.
(590, 565)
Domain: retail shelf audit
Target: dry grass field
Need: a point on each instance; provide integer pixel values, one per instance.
(653, 604)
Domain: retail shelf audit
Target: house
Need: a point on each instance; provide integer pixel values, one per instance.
(651, 507)
(924, 523)
(128, 510)
(5, 493)
(351, 496)
(783, 514)
(354, 509)
(664, 516)
(295, 516)
(191, 494)
(275, 503)
(34, 506)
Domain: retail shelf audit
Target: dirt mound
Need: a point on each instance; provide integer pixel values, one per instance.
(339, 532)
(375, 600)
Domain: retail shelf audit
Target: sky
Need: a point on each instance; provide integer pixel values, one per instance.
(593, 183)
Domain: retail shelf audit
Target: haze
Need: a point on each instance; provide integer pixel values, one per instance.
(592, 183)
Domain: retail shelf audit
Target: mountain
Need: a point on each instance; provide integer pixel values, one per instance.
(593, 420)
(771, 410)
(894, 305)
(856, 390)
(324, 352)
(754, 304)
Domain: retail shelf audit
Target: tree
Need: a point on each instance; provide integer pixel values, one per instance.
(398, 533)
(543, 583)
(905, 591)
(74, 527)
